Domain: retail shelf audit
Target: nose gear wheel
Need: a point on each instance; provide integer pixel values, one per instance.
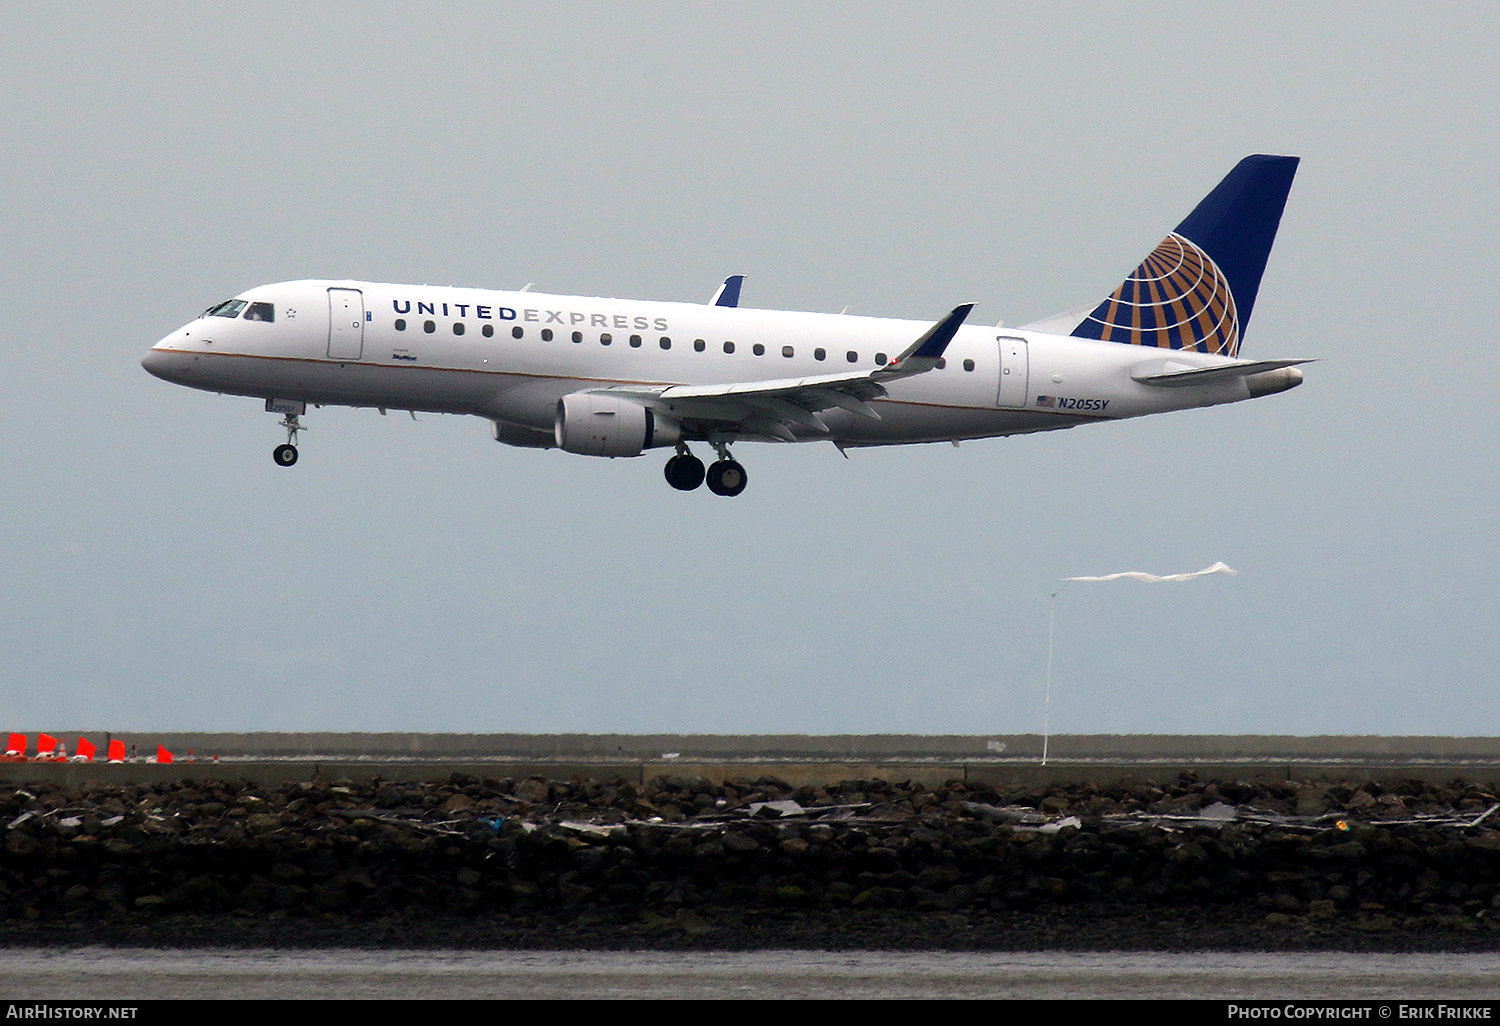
(286, 455)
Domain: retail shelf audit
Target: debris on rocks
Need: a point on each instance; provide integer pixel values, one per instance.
(1363, 853)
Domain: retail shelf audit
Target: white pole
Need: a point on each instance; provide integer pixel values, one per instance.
(1047, 705)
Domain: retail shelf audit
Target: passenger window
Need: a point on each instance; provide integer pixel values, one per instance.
(488, 331)
(786, 351)
(429, 327)
(880, 359)
(400, 323)
(728, 347)
(968, 365)
(518, 332)
(546, 334)
(260, 312)
(853, 357)
(758, 349)
(820, 354)
(942, 363)
(606, 338)
(635, 341)
(666, 343)
(577, 336)
(458, 327)
(699, 345)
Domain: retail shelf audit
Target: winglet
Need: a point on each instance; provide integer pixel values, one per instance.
(923, 354)
(729, 292)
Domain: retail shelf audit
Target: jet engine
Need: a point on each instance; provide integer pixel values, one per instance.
(591, 424)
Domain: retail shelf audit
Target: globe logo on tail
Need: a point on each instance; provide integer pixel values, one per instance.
(1176, 299)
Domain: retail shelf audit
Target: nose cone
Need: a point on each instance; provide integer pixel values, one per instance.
(156, 362)
(169, 359)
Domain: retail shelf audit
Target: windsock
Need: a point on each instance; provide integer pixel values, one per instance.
(85, 750)
(1136, 575)
(117, 750)
(162, 755)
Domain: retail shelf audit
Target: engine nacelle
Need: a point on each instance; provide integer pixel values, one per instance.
(603, 425)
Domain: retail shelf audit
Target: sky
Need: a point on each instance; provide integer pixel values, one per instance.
(160, 572)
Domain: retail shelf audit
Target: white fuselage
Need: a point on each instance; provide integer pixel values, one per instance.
(422, 347)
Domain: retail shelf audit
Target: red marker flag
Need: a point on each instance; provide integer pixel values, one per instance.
(85, 750)
(46, 744)
(16, 745)
(162, 755)
(117, 750)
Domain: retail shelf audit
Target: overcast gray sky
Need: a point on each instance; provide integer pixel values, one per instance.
(161, 572)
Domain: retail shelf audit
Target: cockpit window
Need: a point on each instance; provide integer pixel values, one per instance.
(260, 312)
(230, 309)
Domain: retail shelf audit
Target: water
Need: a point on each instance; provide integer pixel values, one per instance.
(124, 974)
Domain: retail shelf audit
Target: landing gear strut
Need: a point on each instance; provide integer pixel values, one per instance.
(725, 475)
(684, 471)
(286, 455)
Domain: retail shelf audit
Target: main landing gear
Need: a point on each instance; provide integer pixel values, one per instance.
(725, 476)
(684, 471)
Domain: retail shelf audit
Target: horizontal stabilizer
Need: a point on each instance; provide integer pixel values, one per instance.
(1171, 374)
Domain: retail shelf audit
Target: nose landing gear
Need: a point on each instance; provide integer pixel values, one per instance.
(286, 455)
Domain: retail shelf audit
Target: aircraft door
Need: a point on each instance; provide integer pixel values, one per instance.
(346, 324)
(1015, 371)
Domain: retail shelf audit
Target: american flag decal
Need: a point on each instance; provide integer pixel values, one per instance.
(1049, 401)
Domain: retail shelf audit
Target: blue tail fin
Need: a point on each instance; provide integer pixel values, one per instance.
(1196, 290)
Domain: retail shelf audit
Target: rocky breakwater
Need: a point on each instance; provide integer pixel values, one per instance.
(746, 863)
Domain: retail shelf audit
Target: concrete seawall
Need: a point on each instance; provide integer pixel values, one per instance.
(772, 747)
(271, 758)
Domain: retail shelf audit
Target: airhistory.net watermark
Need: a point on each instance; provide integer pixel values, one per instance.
(41, 1010)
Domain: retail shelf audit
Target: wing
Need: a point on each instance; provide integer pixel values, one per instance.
(773, 408)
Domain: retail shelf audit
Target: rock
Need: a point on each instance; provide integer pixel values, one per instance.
(534, 791)
(1321, 909)
(1311, 801)
(740, 843)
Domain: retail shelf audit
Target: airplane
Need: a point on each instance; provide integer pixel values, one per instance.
(616, 377)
